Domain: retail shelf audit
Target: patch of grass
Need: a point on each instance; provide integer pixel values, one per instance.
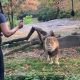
(38, 77)
(39, 66)
(32, 68)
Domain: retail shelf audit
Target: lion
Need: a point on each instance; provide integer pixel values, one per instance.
(51, 47)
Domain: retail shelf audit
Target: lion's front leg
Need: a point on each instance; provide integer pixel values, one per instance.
(51, 60)
(57, 58)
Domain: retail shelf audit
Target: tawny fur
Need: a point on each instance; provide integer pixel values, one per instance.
(51, 46)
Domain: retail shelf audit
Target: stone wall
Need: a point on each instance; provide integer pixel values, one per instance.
(69, 41)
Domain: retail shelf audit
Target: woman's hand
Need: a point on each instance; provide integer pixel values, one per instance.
(20, 24)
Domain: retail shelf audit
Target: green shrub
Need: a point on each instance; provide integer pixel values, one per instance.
(64, 14)
(77, 13)
(27, 19)
(46, 14)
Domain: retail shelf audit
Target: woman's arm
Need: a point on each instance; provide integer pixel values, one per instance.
(6, 30)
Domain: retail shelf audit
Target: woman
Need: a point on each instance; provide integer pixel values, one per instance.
(6, 32)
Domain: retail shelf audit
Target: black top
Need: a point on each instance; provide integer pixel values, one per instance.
(2, 20)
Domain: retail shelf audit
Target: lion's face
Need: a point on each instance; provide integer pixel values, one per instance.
(51, 43)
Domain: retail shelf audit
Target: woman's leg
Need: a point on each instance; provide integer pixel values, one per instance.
(1, 66)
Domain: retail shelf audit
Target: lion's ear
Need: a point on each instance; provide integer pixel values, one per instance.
(52, 33)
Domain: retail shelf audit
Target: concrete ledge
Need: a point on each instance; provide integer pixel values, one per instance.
(69, 41)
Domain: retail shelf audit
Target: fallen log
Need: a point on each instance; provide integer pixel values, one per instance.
(13, 41)
(23, 46)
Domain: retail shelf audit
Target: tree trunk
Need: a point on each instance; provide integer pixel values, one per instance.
(12, 24)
